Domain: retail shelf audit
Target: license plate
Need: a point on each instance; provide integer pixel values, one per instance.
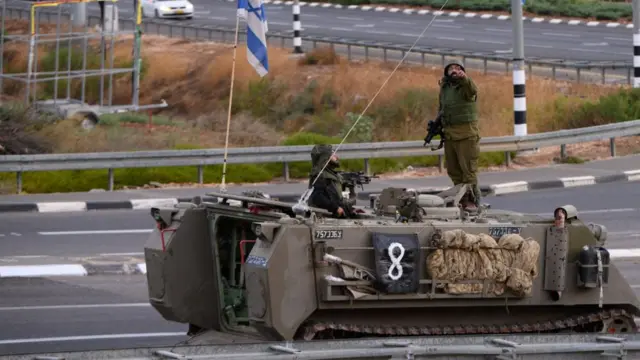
(179, 12)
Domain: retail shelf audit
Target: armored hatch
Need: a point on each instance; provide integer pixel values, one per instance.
(257, 268)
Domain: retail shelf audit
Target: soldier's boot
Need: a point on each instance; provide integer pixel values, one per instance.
(471, 200)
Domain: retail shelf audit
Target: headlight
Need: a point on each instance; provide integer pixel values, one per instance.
(600, 232)
(164, 8)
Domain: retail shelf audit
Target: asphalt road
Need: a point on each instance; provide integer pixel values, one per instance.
(560, 41)
(76, 327)
(50, 315)
(545, 40)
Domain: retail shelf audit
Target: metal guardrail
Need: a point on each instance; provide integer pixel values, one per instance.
(467, 347)
(224, 34)
(288, 154)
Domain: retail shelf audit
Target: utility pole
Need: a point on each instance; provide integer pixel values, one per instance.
(297, 40)
(79, 14)
(636, 43)
(519, 97)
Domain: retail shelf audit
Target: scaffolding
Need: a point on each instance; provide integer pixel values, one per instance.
(65, 46)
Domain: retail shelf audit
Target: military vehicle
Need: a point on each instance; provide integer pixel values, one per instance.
(408, 264)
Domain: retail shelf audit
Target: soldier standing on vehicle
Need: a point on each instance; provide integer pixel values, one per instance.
(458, 96)
(327, 190)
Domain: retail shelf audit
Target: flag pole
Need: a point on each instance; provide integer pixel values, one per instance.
(233, 73)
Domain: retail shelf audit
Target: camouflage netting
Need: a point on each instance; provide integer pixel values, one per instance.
(511, 262)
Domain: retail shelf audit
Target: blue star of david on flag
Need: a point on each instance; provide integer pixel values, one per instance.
(252, 11)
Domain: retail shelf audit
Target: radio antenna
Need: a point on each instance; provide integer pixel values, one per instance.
(301, 206)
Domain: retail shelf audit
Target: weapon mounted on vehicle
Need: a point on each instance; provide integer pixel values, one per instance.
(351, 179)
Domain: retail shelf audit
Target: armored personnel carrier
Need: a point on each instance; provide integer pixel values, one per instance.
(407, 264)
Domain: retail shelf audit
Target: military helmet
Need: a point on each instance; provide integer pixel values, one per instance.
(321, 153)
(446, 68)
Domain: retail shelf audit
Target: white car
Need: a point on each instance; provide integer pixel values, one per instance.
(167, 9)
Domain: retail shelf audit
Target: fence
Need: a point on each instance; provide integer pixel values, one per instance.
(421, 54)
(288, 154)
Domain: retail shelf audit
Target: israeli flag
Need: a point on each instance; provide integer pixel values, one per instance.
(252, 11)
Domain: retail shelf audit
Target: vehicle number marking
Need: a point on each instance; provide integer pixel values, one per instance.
(328, 234)
(499, 231)
(256, 260)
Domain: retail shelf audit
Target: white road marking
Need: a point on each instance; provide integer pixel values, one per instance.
(61, 206)
(617, 39)
(492, 42)
(449, 38)
(561, 34)
(587, 50)
(623, 253)
(398, 22)
(91, 337)
(596, 44)
(447, 26)
(123, 254)
(539, 46)
(498, 30)
(96, 232)
(139, 204)
(42, 270)
(80, 306)
(349, 18)
(221, 18)
(340, 29)
(364, 25)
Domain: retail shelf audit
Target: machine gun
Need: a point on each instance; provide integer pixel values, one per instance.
(352, 179)
(434, 127)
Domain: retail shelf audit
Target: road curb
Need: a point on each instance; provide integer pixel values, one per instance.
(71, 269)
(564, 182)
(465, 14)
(487, 190)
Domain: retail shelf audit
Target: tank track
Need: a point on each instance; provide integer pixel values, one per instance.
(320, 330)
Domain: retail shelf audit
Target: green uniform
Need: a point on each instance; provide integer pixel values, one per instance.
(327, 189)
(462, 134)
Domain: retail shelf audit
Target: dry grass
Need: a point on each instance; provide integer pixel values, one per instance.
(194, 78)
(207, 131)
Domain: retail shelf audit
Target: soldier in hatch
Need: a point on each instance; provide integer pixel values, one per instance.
(327, 190)
(458, 96)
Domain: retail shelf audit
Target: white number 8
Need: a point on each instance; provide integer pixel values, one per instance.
(395, 261)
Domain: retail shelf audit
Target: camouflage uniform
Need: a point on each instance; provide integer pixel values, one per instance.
(327, 191)
(460, 126)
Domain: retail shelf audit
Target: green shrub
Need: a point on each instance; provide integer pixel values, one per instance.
(624, 105)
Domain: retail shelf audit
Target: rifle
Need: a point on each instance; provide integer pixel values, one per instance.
(434, 127)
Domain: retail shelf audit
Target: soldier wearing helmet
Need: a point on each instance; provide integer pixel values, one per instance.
(457, 102)
(327, 190)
